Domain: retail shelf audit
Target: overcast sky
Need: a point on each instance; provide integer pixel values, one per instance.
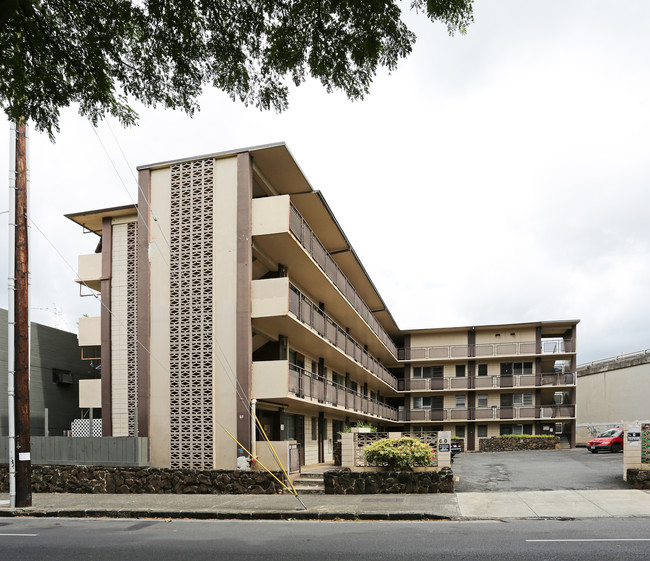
(500, 176)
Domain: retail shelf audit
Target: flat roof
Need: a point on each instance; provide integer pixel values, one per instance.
(549, 325)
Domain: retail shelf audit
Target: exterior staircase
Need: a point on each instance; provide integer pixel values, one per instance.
(310, 481)
(309, 484)
(564, 443)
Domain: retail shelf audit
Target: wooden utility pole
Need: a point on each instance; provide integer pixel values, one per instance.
(21, 328)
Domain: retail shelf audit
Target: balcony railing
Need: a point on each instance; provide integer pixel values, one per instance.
(486, 382)
(489, 413)
(305, 235)
(310, 314)
(486, 350)
(305, 384)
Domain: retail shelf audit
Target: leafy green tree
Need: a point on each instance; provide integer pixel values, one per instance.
(100, 54)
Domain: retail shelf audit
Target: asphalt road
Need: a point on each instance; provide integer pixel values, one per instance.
(538, 470)
(134, 540)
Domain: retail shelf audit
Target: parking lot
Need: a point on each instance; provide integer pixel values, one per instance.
(539, 470)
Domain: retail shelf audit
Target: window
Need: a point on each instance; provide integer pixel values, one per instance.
(460, 370)
(460, 401)
(314, 428)
(338, 379)
(421, 403)
(460, 431)
(481, 431)
(522, 399)
(290, 427)
(510, 368)
(522, 367)
(482, 400)
(482, 369)
(428, 371)
(516, 429)
(296, 360)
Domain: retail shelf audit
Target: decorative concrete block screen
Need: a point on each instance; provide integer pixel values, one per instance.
(645, 444)
(191, 315)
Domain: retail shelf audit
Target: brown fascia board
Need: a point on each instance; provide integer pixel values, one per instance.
(221, 154)
(557, 323)
(92, 219)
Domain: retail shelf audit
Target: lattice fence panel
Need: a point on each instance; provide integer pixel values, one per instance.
(645, 443)
(191, 314)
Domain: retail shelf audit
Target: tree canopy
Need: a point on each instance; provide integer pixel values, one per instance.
(100, 54)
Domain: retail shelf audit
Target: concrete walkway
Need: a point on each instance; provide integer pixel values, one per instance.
(528, 504)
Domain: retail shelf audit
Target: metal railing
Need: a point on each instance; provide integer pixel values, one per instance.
(641, 355)
(305, 384)
(489, 413)
(486, 382)
(308, 239)
(310, 314)
(486, 350)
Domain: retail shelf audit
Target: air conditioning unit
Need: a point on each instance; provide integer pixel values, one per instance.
(559, 428)
(546, 412)
(561, 398)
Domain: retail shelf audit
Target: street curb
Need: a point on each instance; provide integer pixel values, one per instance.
(222, 515)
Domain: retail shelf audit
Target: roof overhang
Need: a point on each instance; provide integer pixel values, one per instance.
(92, 219)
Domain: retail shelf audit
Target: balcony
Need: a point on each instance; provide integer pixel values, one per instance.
(522, 413)
(484, 350)
(277, 306)
(90, 332)
(487, 382)
(278, 380)
(90, 270)
(275, 218)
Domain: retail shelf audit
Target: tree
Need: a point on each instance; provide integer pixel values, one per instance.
(100, 54)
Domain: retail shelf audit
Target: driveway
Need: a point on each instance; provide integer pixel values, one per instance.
(538, 470)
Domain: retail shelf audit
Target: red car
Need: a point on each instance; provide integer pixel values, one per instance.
(611, 440)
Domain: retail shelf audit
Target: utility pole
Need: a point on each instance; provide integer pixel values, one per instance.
(21, 326)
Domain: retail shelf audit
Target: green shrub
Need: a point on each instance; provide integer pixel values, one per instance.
(360, 425)
(399, 454)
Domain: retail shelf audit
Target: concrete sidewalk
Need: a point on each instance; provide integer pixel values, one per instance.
(459, 506)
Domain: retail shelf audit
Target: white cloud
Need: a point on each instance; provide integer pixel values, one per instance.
(499, 176)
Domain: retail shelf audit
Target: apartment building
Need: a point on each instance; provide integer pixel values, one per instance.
(230, 286)
(492, 380)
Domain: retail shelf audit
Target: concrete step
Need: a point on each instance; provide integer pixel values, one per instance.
(309, 482)
(310, 490)
(317, 476)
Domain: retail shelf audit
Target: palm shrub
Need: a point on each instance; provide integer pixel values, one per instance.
(399, 454)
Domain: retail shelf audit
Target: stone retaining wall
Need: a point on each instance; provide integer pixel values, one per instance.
(346, 482)
(90, 479)
(639, 478)
(498, 444)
